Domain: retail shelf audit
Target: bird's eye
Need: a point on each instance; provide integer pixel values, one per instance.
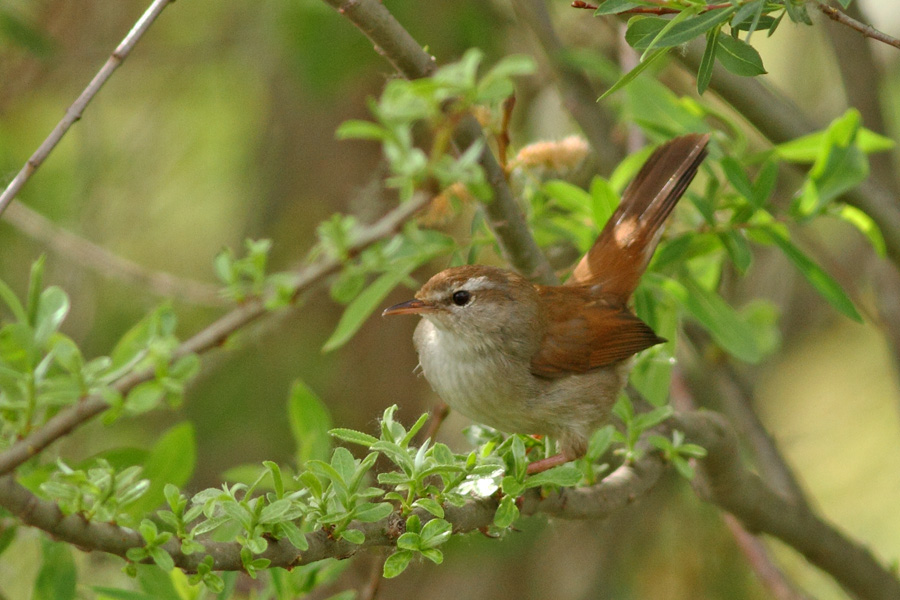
(461, 297)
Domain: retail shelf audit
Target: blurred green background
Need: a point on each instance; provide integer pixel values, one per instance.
(220, 126)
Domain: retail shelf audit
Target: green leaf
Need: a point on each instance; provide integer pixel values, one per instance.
(354, 536)
(57, 577)
(295, 536)
(433, 554)
(507, 512)
(274, 511)
(599, 443)
(570, 196)
(839, 166)
(162, 558)
(361, 130)
(739, 57)
(396, 563)
(353, 436)
(434, 533)
(737, 177)
(35, 284)
(310, 422)
(866, 225)
(144, 397)
(430, 505)
(651, 419)
(563, 475)
(630, 75)
(370, 513)
(655, 32)
(8, 534)
(738, 249)
(496, 83)
(108, 593)
(12, 302)
(611, 7)
(604, 200)
(705, 71)
(52, 308)
(362, 307)
(806, 149)
(814, 274)
(344, 464)
(723, 323)
(170, 461)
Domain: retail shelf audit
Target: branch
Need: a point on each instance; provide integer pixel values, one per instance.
(74, 112)
(616, 491)
(866, 30)
(725, 482)
(578, 93)
(722, 479)
(757, 555)
(407, 56)
(96, 258)
(210, 337)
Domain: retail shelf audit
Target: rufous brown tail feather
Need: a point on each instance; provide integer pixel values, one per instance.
(628, 240)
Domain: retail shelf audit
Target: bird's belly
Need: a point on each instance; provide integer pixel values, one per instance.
(488, 387)
(493, 388)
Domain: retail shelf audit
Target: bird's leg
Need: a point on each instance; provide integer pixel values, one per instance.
(539, 466)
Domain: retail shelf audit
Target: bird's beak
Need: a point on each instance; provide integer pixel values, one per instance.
(411, 307)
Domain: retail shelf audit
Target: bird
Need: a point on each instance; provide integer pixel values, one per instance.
(551, 360)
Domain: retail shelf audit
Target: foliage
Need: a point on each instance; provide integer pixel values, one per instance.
(335, 492)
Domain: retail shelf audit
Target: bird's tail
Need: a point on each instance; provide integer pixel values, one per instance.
(618, 258)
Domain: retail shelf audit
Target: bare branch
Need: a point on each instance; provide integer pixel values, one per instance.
(725, 482)
(758, 556)
(407, 56)
(96, 258)
(210, 337)
(74, 112)
(866, 30)
(578, 93)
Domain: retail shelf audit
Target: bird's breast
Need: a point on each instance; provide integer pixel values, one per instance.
(478, 380)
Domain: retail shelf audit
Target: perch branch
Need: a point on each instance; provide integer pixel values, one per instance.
(210, 337)
(74, 112)
(722, 479)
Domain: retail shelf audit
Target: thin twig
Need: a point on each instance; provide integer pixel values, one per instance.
(772, 467)
(772, 578)
(373, 585)
(211, 337)
(503, 137)
(87, 254)
(578, 93)
(505, 218)
(649, 10)
(866, 30)
(439, 413)
(75, 111)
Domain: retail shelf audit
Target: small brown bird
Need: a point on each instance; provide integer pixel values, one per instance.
(551, 360)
